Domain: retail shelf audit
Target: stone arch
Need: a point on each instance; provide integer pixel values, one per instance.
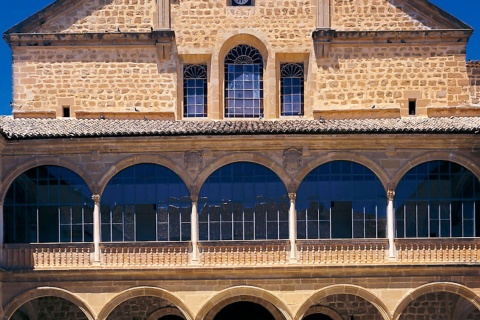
(266, 299)
(256, 40)
(432, 156)
(252, 39)
(449, 287)
(323, 310)
(343, 156)
(140, 159)
(41, 292)
(241, 157)
(142, 292)
(343, 289)
(165, 312)
(38, 162)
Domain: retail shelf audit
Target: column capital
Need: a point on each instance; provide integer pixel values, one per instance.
(96, 198)
(390, 194)
(194, 197)
(292, 196)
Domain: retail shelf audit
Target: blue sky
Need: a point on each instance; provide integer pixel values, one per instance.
(15, 11)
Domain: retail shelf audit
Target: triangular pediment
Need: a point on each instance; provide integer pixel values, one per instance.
(93, 16)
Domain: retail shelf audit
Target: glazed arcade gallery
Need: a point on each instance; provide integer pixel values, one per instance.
(242, 201)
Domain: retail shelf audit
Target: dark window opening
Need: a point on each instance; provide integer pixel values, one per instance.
(66, 112)
(241, 3)
(412, 107)
(244, 310)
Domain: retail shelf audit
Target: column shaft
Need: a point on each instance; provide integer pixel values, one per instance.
(96, 228)
(391, 225)
(292, 226)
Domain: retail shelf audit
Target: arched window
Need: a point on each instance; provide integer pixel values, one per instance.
(243, 83)
(48, 204)
(243, 201)
(146, 202)
(292, 89)
(438, 199)
(341, 199)
(195, 90)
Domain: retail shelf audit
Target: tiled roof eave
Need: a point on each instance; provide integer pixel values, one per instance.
(22, 129)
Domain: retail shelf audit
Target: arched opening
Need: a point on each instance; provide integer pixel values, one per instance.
(48, 308)
(145, 307)
(341, 199)
(440, 306)
(438, 199)
(243, 82)
(243, 201)
(243, 310)
(48, 204)
(146, 202)
(317, 316)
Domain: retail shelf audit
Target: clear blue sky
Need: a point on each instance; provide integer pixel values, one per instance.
(14, 11)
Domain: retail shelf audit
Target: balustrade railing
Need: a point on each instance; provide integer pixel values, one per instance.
(332, 252)
(238, 254)
(243, 253)
(45, 256)
(455, 250)
(127, 255)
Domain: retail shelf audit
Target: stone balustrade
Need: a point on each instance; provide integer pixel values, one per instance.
(243, 253)
(161, 254)
(238, 254)
(332, 252)
(46, 256)
(438, 250)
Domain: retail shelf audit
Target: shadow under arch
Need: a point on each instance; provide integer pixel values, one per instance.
(242, 157)
(144, 291)
(48, 161)
(343, 156)
(449, 287)
(467, 163)
(343, 289)
(244, 293)
(41, 292)
(141, 159)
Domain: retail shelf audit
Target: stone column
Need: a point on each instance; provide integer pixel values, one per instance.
(96, 228)
(194, 228)
(323, 14)
(391, 224)
(292, 226)
(163, 14)
(2, 226)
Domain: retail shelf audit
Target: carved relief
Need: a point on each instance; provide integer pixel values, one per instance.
(193, 160)
(292, 159)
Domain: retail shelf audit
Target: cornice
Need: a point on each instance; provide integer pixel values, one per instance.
(89, 39)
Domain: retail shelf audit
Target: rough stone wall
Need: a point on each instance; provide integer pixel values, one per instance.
(137, 308)
(386, 75)
(473, 69)
(347, 305)
(435, 306)
(104, 16)
(48, 308)
(284, 24)
(103, 79)
(377, 15)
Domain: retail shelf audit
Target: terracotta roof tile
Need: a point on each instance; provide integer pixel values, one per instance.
(77, 128)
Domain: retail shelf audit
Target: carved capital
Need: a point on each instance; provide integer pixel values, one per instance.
(292, 196)
(390, 194)
(194, 194)
(96, 198)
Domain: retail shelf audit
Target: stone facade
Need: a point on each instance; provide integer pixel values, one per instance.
(368, 65)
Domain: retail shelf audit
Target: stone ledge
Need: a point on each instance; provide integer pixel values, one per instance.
(35, 114)
(453, 112)
(167, 115)
(337, 114)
